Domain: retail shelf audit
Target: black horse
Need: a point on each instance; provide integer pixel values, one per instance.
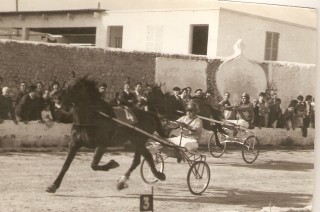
(92, 130)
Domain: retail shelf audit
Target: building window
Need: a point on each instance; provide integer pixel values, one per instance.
(199, 39)
(272, 45)
(115, 36)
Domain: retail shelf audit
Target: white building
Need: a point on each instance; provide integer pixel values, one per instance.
(200, 30)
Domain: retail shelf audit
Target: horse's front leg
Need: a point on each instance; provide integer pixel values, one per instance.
(73, 149)
(99, 151)
(122, 183)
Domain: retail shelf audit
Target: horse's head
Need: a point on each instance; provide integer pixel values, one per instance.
(153, 92)
(82, 91)
(154, 96)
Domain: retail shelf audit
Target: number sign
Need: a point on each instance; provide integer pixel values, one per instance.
(146, 202)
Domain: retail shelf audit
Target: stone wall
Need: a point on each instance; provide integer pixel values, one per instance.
(40, 135)
(34, 62)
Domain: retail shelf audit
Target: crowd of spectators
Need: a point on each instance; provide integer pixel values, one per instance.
(267, 110)
(33, 103)
(43, 103)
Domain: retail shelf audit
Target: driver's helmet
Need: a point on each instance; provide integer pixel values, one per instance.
(246, 95)
(192, 106)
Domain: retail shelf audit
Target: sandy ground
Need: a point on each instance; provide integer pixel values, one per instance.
(278, 179)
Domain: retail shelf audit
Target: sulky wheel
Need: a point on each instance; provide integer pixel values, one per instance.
(146, 172)
(250, 149)
(214, 149)
(198, 177)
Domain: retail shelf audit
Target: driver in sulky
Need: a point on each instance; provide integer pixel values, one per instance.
(191, 127)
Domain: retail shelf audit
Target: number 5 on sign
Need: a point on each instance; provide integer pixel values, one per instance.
(146, 202)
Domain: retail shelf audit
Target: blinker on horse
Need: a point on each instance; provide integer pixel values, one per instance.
(92, 130)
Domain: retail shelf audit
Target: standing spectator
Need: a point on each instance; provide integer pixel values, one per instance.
(184, 94)
(56, 89)
(306, 119)
(47, 106)
(126, 97)
(189, 90)
(184, 98)
(275, 115)
(23, 91)
(140, 101)
(227, 114)
(103, 90)
(47, 101)
(199, 94)
(40, 88)
(263, 110)
(312, 113)
(29, 107)
(256, 112)
(1, 83)
(6, 105)
(300, 110)
(177, 102)
(289, 115)
(176, 93)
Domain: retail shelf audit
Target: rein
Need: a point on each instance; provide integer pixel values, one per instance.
(211, 120)
(162, 141)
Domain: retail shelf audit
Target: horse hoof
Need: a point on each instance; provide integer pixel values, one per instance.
(113, 164)
(52, 189)
(160, 176)
(122, 185)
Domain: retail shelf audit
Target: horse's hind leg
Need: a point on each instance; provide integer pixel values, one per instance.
(100, 150)
(147, 155)
(73, 149)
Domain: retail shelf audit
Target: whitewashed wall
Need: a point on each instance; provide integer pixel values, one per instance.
(296, 43)
(163, 31)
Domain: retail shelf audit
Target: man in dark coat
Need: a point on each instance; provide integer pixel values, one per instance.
(29, 107)
(126, 97)
(6, 105)
(21, 93)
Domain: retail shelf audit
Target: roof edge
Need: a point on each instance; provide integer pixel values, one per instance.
(51, 11)
(267, 18)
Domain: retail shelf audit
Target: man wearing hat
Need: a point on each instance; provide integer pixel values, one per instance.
(29, 107)
(199, 94)
(176, 93)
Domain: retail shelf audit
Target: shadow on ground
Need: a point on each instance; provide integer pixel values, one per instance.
(278, 165)
(253, 199)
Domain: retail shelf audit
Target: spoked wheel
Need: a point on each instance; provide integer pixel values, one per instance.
(146, 172)
(215, 150)
(250, 149)
(198, 177)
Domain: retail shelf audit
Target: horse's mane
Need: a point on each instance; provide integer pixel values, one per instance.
(87, 83)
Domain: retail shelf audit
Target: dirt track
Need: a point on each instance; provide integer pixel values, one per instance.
(281, 178)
